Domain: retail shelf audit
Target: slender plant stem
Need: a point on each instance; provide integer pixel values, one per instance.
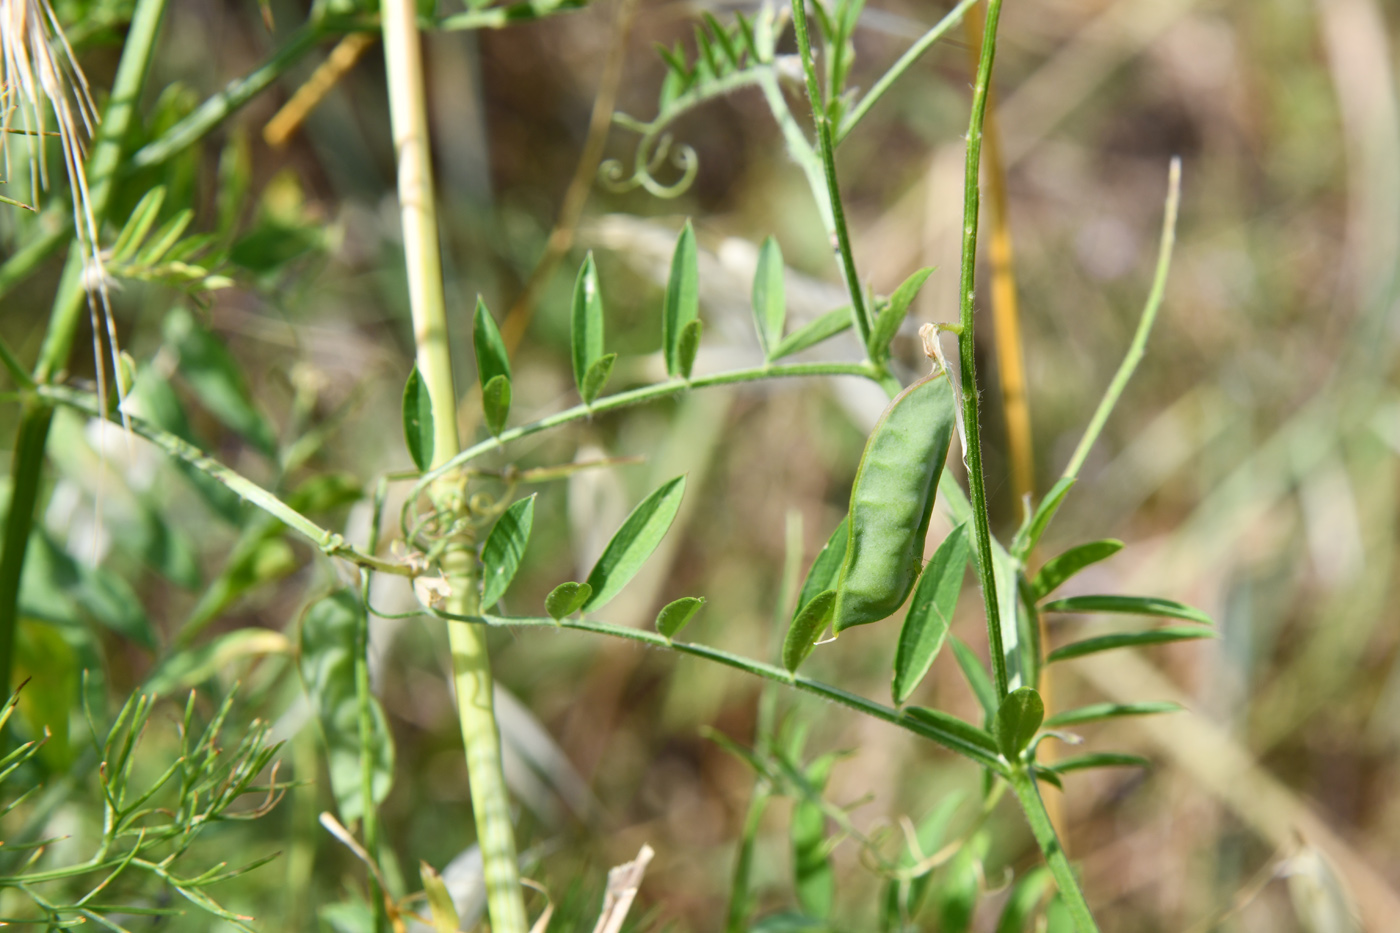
(649, 393)
(1028, 795)
(822, 119)
(769, 672)
(977, 486)
(1149, 315)
(36, 415)
(247, 490)
(897, 70)
(471, 665)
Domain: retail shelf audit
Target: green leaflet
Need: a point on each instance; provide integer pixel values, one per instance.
(1059, 569)
(597, 377)
(892, 501)
(769, 297)
(1098, 760)
(976, 676)
(1029, 534)
(812, 333)
(1156, 636)
(688, 348)
(954, 734)
(504, 549)
(418, 420)
(633, 543)
(930, 613)
(1096, 712)
(566, 599)
(676, 615)
(826, 568)
(329, 643)
(892, 315)
(1017, 721)
(1131, 605)
(682, 300)
(492, 368)
(586, 327)
(495, 403)
(805, 627)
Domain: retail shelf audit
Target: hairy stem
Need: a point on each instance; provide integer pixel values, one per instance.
(1028, 795)
(977, 486)
(471, 665)
(827, 149)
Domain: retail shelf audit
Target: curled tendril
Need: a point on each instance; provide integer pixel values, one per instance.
(654, 149)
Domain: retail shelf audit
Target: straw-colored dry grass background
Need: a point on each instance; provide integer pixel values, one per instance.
(1251, 467)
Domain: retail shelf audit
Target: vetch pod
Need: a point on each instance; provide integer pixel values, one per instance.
(892, 500)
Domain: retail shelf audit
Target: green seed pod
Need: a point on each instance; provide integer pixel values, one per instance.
(892, 500)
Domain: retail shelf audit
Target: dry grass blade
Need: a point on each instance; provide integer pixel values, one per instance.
(623, 882)
(39, 75)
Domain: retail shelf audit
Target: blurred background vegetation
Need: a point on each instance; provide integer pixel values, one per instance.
(1251, 467)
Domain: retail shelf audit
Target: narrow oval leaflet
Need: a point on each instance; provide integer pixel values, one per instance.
(504, 549)
(566, 599)
(803, 632)
(930, 613)
(826, 569)
(634, 542)
(892, 500)
(586, 324)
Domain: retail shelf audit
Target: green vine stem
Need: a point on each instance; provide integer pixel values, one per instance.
(471, 666)
(1023, 785)
(1149, 314)
(977, 487)
(36, 416)
(897, 70)
(827, 148)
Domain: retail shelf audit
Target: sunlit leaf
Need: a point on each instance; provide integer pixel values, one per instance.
(566, 599)
(1100, 711)
(892, 315)
(495, 403)
(976, 676)
(1156, 636)
(418, 420)
(1059, 569)
(682, 299)
(806, 626)
(689, 347)
(676, 615)
(597, 377)
(492, 364)
(951, 732)
(826, 568)
(1131, 605)
(504, 549)
(586, 325)
(812, 333)
(930, 613)
(1017, 720)
(1098, 760)
(769, 297)
(634, 542)
(1029, 534)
